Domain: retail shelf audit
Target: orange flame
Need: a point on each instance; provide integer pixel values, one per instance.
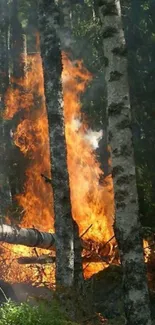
(147, 250)
(92, 203)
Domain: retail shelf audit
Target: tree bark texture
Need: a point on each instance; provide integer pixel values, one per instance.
(48, 259)
(4, 81)
(127, 226)
(32, 237)
(65, 26)
(52, 66)
(26, 236)
(67, 42)
(18, 44)
(18, 58)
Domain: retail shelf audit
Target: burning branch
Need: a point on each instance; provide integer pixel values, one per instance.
(43, 259)
(47, 259)
(46, 179)
(85, 231)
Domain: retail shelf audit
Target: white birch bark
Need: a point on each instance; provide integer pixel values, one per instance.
(26, 236)
(32, 237)
(127, 226)
(5, 196)
(52, 65)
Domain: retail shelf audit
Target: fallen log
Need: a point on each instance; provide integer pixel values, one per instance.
(32, 237)
(46, 259)
(43, 259)
(26, 236)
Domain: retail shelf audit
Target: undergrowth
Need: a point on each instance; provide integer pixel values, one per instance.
(41, 314)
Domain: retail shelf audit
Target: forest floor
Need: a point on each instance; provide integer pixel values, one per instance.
(105, 294)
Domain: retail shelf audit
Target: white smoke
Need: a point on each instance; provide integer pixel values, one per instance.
(93, 137)
(76, 124)
(90, 136)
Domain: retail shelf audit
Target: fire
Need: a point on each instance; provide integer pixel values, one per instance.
(31, 136)
(147, 250)
(92, 202)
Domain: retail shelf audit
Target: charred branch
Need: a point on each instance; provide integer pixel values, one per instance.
(47, 259)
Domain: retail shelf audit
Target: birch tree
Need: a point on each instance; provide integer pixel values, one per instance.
(4, 80)
(48, 15)
(18, 55)
(127, 225)
(67, 44)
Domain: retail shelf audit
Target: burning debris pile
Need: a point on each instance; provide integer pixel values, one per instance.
(92, 202)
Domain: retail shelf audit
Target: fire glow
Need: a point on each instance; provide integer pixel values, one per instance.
(92, 202)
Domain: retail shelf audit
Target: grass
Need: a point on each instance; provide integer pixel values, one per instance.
(41, 314)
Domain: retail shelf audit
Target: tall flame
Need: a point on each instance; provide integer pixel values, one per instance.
(92, 202)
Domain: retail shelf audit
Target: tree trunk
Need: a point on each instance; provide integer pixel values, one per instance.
(66, 42)
(26, 236)
(127, 227)
(4, 81)
(18, 44)
(19, 65)
(52, 65)
(65, 26)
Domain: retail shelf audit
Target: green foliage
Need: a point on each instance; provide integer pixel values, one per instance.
(41, 314)
(139, 24)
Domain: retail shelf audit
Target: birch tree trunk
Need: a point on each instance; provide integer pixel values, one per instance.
(26, 236)
(4, 81)
(65, 26)
(127, 226)
(67, 43)
(52, 65)
(18, 44)
(32, 237)
(18, 56)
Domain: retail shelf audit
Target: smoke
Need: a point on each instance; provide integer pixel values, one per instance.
(90, 136)
(93, 137)
(66, 40)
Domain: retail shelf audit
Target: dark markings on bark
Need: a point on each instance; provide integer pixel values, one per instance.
(108, 9)
(109, 32)
(120, 195)
(120, 205)
(110, 136)
(115, 152)
(115, 108)
(133, 201)
(125, 151)
(129, 244)
(120, 51)
(125, 123)
(106, 61)
(117, 170)
(115, 76)
(125, 179)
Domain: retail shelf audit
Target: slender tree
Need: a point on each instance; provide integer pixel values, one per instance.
(67, 44)
(50, 50)
(18, 43)
(126, 226)
(18, 55)
(4, 80)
